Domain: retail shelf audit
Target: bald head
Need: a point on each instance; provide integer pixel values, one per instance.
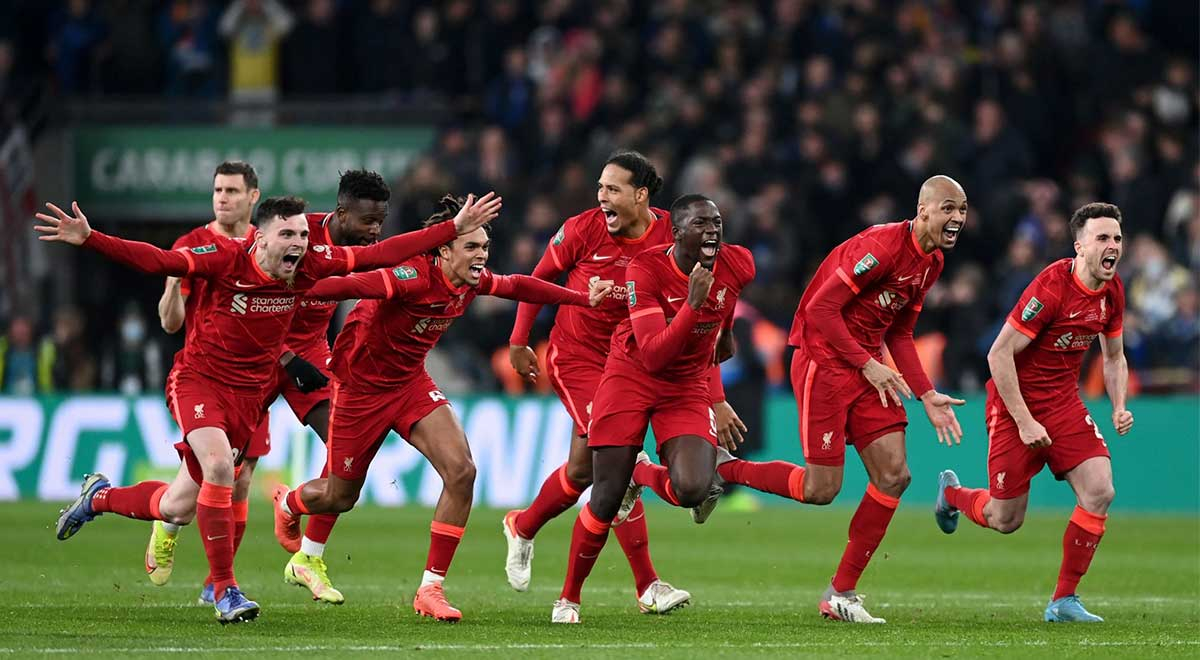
(939, 187)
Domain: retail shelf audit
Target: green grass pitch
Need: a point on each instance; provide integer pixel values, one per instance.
(754, 579)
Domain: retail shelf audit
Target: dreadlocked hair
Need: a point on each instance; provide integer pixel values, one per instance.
(449, 206)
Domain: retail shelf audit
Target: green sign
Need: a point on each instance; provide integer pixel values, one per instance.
(167, 172)
(47, 443)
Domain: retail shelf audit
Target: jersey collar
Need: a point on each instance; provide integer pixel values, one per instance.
(645, 234)
(1081, 286)
(912, 238)
(437, 265)
(675, 267)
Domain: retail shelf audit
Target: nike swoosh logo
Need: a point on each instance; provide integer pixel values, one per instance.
(671, 300)
(599, 257)
(1073, 314)
(239, 284)
(436, 305)
(904, 279)
(214, 538)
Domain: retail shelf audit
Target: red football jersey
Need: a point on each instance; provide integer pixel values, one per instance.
(248, 314)
(195, 287)
(385, 339)
(1062, 317)
(656, 285)
(584, 249)
(886, 270)
(308, 335)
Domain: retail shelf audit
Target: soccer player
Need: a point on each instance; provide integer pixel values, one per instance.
(1034, 414)
(217, 397)
(235, 192)
(381, 385)
(659, 369)
(596, 244)
(866, 293)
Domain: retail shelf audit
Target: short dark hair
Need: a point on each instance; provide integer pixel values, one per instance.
(448, 207)
(277, 207)
(1094, 210)
(362, 184)
(642, 171)
(231, 167)
(681, 203)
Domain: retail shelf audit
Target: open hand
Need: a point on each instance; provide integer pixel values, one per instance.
(888, 381)
(476, 213)
(941, 415)
(62, 227)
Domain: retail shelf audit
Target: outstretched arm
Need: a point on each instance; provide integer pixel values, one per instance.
(375, 284)
(548, 270)
(74, 230)
(531, 289)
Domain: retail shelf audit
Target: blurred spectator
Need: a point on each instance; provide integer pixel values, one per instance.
(255, 29)
(510, 98)
(1152, 289)
(187, 30)
(72, 365)
(134, 365)
(379, 44)
(129, 67)
(20, 368)
(312, 52)
(76, 35)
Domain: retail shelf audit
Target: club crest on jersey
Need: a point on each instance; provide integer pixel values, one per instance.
(562, 233)
(632, 295)
(205, 249)
(323, 249)
(1031, 310)
(721, 297)
(405, 272)
(865, 264)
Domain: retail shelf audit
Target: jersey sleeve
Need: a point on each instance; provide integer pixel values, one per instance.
(1116, 316)
(825, 317)
(1035, 309)
(567, 247)
(529, 289)
(863, 262)
(385, 253)
(398, 282)
(206, 260)
(660, 342)
(547, 269)
(185, 283)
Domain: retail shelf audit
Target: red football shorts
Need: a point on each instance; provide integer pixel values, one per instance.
(836, 407)
(628, 400)
(359, 421)
(1074, 438)
(575, 375)
(196, 402)
(302, 403)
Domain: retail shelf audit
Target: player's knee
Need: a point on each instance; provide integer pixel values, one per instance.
(894, 482)
(580, 476)
(691, 492)
(1098, 498)
(343, 501)
(1007, 523)
(459, 476)
(218, 469)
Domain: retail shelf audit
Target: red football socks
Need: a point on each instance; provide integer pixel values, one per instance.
(241, 511)
(294, 503)
(139, 501)
(776, 477)
(558, 494)
(867, 528)
(319, 527)
(443, 541)
(971, 502)
(587, 539)
(635, 541)
(214, 517)
(657, 478)
(1079, 546)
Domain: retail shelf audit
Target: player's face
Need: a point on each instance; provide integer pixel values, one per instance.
(464, 259)
(945, 215)
(361, 221)
(698, 235)
(618, 198)
(1101, 245)
(232, 200)
(284, 241)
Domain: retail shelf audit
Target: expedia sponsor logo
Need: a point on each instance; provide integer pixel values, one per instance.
(431, 325)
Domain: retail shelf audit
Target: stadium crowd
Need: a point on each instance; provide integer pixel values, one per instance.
(805, 121)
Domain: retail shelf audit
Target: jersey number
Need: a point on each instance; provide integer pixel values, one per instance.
(1095, 429)
(436, 395)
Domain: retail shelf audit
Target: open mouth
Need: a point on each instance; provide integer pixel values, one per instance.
(476, 270)
(610, 216)
(1109, 262)
(950, 231)
(291, 259)
(709, 248)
